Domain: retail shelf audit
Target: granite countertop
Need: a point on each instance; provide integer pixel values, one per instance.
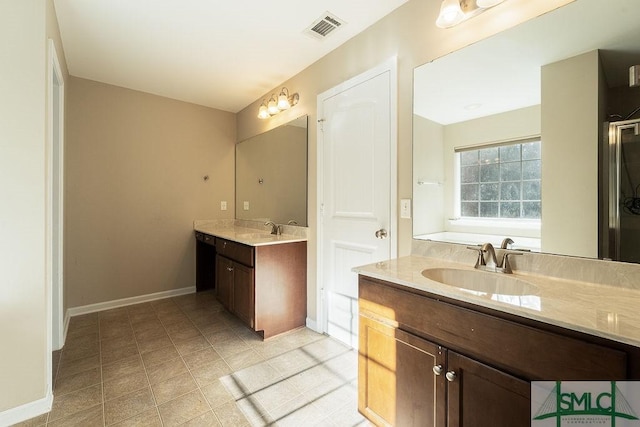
(246, 235)
(601, 310)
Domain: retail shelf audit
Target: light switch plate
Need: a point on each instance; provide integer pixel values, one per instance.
(223, 205)
(246, 206)
(405, 208)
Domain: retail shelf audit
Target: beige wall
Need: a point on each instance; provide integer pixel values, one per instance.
(24, 377)
(410, 34)
(134, 168)
(570, 94)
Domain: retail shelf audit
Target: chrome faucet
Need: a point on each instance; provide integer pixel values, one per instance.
(490, 261)
(275, 229)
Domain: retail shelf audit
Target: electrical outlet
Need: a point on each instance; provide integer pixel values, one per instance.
(246, 206)
(223, 205)
(405, 208)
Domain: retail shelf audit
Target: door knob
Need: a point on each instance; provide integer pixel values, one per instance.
(382, 234)
(437, 369)
(451, 376)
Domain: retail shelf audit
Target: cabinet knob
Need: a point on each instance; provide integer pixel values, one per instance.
(229, 268)
(451, 376)
(437, 369)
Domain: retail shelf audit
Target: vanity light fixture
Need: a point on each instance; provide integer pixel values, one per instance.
(453, 12)
(273, 107)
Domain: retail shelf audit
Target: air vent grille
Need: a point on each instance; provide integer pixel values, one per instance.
(325, 25)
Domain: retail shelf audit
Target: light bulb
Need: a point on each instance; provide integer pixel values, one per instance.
(283, 100)
(262, 111)
(450, 14)
(272, 106)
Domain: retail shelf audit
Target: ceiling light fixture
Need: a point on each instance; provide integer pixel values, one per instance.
(272, 106)
(453, 12)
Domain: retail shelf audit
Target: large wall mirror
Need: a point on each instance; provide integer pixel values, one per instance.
(532, 134)
(271, 175)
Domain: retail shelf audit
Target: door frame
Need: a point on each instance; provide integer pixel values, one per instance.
(389, 66)
(54, 203)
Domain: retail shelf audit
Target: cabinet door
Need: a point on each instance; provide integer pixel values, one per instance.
(396, 381)
(243, 294)
(482, 396)
(224, 281)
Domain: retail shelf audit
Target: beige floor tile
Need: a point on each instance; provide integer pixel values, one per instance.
(77, 381)
(295, 413)
(256, 377)
(148, 418)
(118, 331)
(77, 401)
(148, 324)
(222, 335)
(176, 326)
(201, 358)
(83, 320)
(82, 331)
(145, 307)
(230, 347)
(173, 317)
(293, 362)
(231, 416)
(183, 409)
(152, 333)
(192, 345)
(124, 385)
(81, 341)
(205, 375)
(115, 343)
(87, 418)
(185, 333)
(143, 316)
(173, 388)
(71, 367)
(216, 394)
(208, 419)
(348, 416)
(276, 394)
(335, 398)
(165, 370)
(34, 422)
(129, 366)
(75, 352)
(160, 355)
(254, 412)
(244, 359)
(113, 313)
(154, 343)
(213, 328)
(127, 406)
(112, 355)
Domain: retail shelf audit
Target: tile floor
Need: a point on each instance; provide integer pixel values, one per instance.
(186, 361)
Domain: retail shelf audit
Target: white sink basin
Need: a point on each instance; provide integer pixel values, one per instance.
(481, 281)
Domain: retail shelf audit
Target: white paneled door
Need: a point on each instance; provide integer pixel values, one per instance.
(356, 138)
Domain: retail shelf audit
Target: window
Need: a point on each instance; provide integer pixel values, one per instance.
(501, 181)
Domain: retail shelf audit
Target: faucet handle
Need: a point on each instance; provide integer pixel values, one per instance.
(480, 261)
(506, 265)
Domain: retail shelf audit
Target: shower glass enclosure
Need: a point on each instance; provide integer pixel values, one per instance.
(624, 191)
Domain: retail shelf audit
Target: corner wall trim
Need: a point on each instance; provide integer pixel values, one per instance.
(92, 308)
(312, 324)
(27, 411)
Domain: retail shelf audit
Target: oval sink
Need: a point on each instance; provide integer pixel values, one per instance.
(481, 281)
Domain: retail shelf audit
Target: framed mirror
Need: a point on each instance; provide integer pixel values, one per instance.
(511, 135)
(271, 175)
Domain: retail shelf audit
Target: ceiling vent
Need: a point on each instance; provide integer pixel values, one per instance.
(324, 26)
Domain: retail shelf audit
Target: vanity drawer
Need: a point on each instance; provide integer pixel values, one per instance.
(525, 351)
(235, 251)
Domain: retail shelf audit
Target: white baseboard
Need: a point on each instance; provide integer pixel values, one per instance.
(27, 411)
(92, 308)
(311, 324)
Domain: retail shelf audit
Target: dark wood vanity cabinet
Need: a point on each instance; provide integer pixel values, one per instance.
(430, 361)
(264, 286)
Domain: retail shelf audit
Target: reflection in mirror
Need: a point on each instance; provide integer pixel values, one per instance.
(271, 175)
(510, 136)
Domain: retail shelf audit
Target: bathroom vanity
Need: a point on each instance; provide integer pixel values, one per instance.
(259, 277)
(434, 354)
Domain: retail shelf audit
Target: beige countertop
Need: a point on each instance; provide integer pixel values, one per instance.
(601, 310)
(246, 235)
